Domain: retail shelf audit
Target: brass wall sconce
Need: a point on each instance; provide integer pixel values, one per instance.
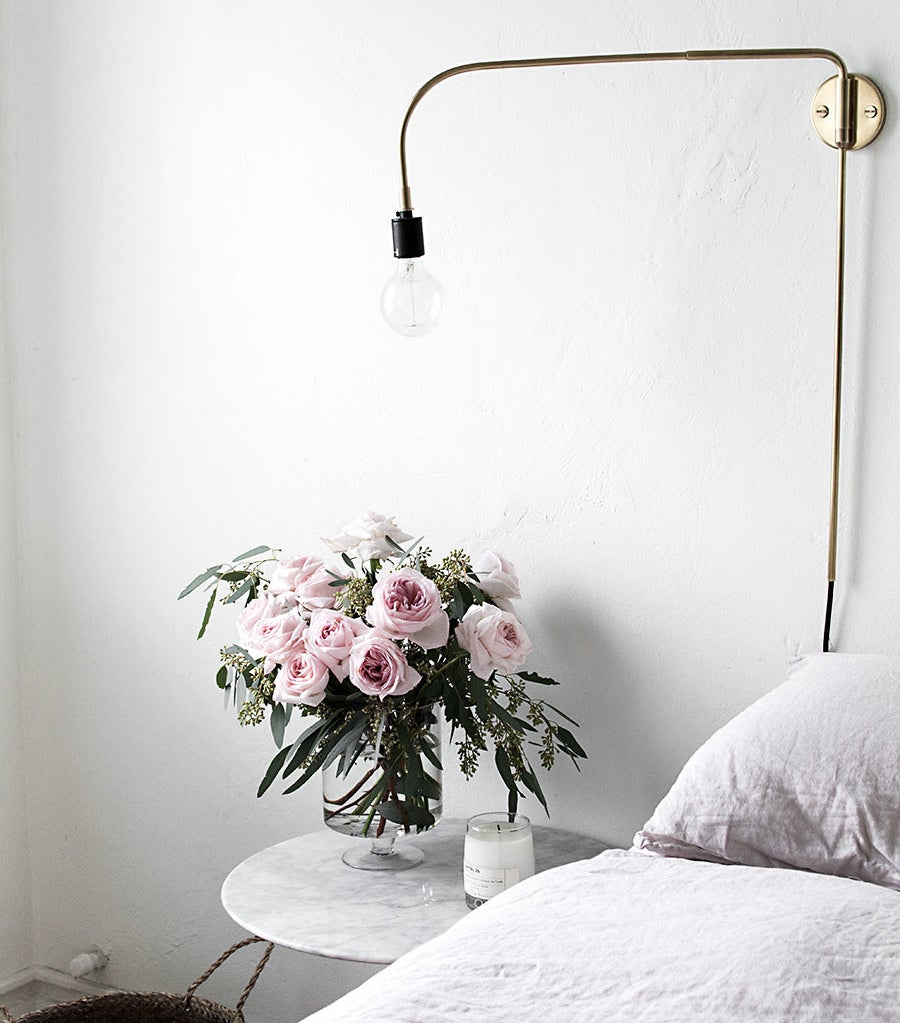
(847, 112)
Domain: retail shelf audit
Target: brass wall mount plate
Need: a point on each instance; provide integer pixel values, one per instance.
(867, 106)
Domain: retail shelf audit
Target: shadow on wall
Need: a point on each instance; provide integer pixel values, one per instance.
(637, 732)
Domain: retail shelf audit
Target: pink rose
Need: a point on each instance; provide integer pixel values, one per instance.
(277, 638)
(497, 578)
(304, 578)
(494, 639)
(258, 608)
(379, 668)
(406, 605)
(330, 636)
(302, 680)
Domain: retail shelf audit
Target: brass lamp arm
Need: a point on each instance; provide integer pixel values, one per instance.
(843, 111)
(837, 107)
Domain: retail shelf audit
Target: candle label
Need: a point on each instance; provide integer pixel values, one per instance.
(483, 882)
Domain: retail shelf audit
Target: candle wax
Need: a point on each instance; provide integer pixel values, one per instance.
(497, 855)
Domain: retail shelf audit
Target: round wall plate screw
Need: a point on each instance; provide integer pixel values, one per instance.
(867, 111)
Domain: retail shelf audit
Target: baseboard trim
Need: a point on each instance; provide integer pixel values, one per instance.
(47, 975)
(8, 984)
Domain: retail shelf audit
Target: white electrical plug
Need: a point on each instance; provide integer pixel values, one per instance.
(87, 962)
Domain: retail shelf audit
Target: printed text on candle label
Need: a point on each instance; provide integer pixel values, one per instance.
(484, 882)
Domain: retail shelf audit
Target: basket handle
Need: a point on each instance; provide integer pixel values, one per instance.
(189, 994)
(4, 1014)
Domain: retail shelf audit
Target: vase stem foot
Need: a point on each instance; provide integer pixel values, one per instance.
(383, 854)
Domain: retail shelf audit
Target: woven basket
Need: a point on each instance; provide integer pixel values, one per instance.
(151, 1006)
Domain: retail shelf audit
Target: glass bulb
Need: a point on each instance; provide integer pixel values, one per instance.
(412, 299)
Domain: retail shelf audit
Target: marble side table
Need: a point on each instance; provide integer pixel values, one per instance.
(301, 895)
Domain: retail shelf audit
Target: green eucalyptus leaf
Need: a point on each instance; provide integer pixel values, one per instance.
(480, 696)
(194, 583)
(467, 594)
(222, 677)
(354, 746)
(516, 723)
(451, 704)
(235, 649)
(207, 614)
(432, 750)
(457, 606)
(277, 722)
(318, 759)
(504, 768)
(272, 772)
(463, 714)
(251, 554)
(426, 787)
(570, 743)
(348, 560)
(371, 796)
(350, 757)
(556, 710)
(405, 814)
(531, 783)
(234, 576)
(348, 741)
(541, 680)
(306, 742)
(245, 587)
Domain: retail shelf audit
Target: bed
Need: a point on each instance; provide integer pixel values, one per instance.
(764, 887)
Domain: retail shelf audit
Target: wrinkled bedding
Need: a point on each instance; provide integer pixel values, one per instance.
(632, 937)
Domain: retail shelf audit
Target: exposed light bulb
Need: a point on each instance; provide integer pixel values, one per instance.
(412, 299)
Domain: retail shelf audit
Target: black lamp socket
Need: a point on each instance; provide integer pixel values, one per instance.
(409, 242)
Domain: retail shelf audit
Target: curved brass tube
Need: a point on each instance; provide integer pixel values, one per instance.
(842, 113)
(843, 141)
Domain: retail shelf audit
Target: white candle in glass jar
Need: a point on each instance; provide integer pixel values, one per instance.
(499, 853)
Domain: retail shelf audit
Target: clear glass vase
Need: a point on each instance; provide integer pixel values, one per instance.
(386, 785)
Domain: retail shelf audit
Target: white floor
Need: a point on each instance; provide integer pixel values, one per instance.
(37, 994)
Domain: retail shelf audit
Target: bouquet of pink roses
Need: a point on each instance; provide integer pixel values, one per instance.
(372, 649)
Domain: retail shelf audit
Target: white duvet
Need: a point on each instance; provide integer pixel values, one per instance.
(634, 937)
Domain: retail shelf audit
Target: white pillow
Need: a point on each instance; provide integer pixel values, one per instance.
(808, 777)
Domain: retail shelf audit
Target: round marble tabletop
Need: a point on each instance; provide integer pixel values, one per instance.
(301, 895)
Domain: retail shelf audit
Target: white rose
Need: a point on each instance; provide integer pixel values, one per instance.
(366, 536)
(497, 578)
(259, 608)
(304, 581)
(494, 639)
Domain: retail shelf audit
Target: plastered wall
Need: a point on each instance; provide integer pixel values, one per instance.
(16, 951)
(629, 395)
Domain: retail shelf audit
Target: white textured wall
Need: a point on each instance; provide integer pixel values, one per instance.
(629, 394)
(16, 952)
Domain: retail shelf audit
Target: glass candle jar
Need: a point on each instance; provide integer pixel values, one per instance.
(499, 852)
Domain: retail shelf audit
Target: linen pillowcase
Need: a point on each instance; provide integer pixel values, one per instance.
(807, 777)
